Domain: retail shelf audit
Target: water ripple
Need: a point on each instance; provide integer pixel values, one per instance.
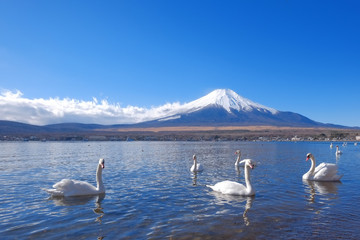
(152, 195)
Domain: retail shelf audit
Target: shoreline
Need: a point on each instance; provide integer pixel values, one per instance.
(194, 133)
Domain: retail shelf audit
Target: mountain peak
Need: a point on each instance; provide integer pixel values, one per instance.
(229, 100)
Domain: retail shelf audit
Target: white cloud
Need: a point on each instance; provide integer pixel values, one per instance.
(15, 107)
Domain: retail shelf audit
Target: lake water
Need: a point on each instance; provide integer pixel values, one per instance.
(151, 194)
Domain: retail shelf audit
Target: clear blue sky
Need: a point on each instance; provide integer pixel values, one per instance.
(299, 56)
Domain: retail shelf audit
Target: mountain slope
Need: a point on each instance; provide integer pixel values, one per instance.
(223, 107)
(9, 127)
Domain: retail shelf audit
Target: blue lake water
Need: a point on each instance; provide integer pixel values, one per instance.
(151, 194)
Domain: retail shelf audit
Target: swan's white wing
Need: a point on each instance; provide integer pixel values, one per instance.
(82, 188)
(60, 188)
(64, 185)
(229, 187)
(326, 172)
(54, 192)
(326, 169)
(74, 188)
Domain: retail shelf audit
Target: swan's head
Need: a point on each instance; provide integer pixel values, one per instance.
(252, 162)
(309, 156)
(238, 152)
(102, 162)
(194, 157)
(249, 163)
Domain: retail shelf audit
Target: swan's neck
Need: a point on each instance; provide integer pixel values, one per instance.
(195, 164)
(99, 181)
(312, 167)
(238, 160)
(247, 179)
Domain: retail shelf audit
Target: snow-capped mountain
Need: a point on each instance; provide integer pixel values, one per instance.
(224, 107)
(229, 100)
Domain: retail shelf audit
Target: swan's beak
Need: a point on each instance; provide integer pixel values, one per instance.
(103, 165)
(307, 158)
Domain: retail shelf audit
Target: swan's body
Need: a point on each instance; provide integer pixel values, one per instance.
(323, 172)
(196, 167)
(235, 188)
(338, 152)
(69, 187)
(239, 163)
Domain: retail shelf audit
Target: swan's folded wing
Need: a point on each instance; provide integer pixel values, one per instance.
(69, 187)
(229, 187)
(64, 185)
(218, 186)
(326, 171)
(54, 192)
(83, 187)
(235, 188)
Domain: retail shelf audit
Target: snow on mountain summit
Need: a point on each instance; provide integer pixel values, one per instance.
(229, 100)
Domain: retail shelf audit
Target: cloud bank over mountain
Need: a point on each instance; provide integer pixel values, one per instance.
(39, 111)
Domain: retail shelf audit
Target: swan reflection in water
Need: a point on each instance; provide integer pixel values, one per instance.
(321, 188)
(194, 178)
(76, 200)
(82, 200)
(337, 158)
(249, 202)
(222, 199)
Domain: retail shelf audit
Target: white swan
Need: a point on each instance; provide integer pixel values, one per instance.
(196, 167)
(323, 172)
(68, 187)
(237, 162)
(331, 145)
(235, 188)
(338, 152)
(242, 163)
